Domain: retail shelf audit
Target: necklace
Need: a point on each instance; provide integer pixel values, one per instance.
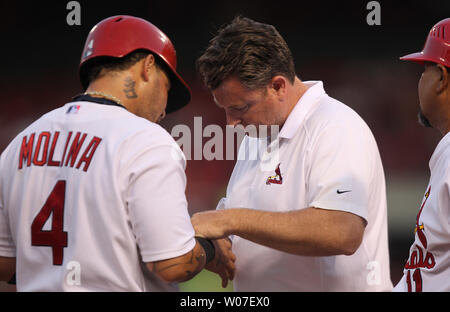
(108, 96)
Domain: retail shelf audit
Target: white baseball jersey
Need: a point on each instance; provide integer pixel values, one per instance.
(88, 194)
(428, 265)
(327, 158)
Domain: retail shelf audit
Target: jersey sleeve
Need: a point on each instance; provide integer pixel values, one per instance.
(7, 246)
(342, 162)
(157, 203)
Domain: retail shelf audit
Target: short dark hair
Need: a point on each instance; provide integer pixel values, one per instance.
(102, 65)
(252, 51)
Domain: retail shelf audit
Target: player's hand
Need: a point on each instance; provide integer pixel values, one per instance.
(210, 224)
(223, 262)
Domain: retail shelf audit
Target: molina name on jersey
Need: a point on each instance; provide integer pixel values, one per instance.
(39, 154)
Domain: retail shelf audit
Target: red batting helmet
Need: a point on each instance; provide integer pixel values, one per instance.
(437, 46)
(120, 35)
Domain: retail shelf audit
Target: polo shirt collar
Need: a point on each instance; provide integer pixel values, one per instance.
(301, 109)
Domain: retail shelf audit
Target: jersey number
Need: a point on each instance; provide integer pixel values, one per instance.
(56, 237)
(417, 278)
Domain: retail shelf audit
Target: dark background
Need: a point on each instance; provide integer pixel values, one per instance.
(330, 41)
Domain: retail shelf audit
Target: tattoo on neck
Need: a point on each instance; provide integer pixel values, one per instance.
(130, 93)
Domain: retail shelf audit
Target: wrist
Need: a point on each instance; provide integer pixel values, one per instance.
(229, 221)
(235, 221)
(209, 248)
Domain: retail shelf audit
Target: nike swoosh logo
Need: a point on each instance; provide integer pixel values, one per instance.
(341, 192)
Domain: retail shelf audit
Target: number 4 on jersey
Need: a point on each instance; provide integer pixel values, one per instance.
(56, 237)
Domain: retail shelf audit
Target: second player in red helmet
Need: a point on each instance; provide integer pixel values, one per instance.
(437, 46)
(428, 264)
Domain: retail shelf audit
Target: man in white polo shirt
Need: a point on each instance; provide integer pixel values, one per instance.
(312, 215)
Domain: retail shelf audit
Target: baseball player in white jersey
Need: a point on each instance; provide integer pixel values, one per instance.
(92, 193)
(428, 265)
(309, 214)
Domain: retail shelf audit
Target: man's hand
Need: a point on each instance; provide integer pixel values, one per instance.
(223, 262)
(210, 224)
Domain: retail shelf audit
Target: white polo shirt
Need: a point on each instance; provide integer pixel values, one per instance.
(328, 158)
(428, 265)
(88, 194)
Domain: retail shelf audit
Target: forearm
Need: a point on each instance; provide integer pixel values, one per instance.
(181, 268)
(308, 232)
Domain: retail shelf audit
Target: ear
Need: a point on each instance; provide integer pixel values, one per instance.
(443, 81)
(279, 85)
(147, 65)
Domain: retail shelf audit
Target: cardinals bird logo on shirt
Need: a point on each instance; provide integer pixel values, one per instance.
(276, 179)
